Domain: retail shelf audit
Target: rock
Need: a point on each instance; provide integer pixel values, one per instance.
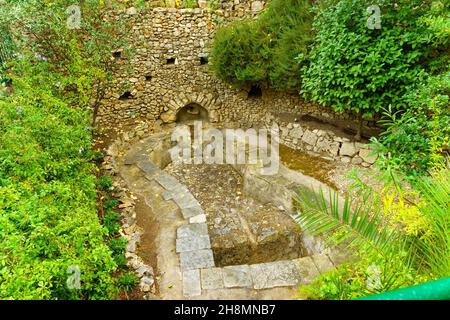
(192, 212)
(322, 262)
(365, 154)
(310, 138)
(198, 219)
(203, 4)
(168, 117)
(144, 271)
(191, 283)
(257, 6)
(346, 159)
(307, 269)
(297, 133)
(193, 243)
(212, 279)
(113, 151)
(357, 160)
(237, 277)
(131, 11)
(348, 149)
(126, 203)
(146, 284)
(192, 230)
(274, 274)
(196, 259)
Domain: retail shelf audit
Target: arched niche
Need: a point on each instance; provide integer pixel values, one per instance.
(192, 112)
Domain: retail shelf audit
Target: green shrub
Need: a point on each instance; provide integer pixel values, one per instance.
(105, 183)
(417, 139)
(401, 232)
(263, 52)
(118, 249)
(48, 216)
(112, 222)
(48, 194)
(127, 281)
(110, 203)
(352, 67)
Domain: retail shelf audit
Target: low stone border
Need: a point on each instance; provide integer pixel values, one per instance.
(129, 229)
(325, 142)
(196, 257)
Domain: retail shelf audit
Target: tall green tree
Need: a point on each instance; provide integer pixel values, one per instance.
(364, 60)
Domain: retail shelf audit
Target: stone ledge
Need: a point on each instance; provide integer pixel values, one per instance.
(193, 243)
(200, 259)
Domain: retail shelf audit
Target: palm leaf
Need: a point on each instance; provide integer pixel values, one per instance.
(343, 220)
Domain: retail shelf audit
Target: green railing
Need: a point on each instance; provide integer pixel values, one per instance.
(435, 290)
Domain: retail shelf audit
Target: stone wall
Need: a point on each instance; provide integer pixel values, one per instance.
(168, 72)
(326, 143)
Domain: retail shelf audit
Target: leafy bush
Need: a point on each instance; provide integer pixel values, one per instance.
(263, 52)
(118, 246)
(352, 67)
(48, 216)
(417, 139)
(402, 232)
(112, 222)
(48, 194)
(78, 60)
(105, 183)
(128, 280)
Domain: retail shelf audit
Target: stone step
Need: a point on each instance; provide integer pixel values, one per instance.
(192, 212)
(200, 259)
(148, 167)
(193, 243)
(191, 283)
(192, 230)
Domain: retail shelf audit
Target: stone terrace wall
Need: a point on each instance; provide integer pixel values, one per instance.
(325, 143)
(158, 90)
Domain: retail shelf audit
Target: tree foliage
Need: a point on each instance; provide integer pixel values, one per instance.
(48, 192)
(262, 52)
(352, 67)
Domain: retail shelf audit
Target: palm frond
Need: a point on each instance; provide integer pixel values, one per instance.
(435, 248)
(343, 220)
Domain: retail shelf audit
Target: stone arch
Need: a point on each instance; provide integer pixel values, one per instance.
(192, 112)
(182, 100)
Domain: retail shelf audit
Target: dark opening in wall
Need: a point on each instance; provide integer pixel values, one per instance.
(171, 60)
(117, 54)
(255, 92)
(204, 60)
(127, 95)
(148, 78)
(192, 112)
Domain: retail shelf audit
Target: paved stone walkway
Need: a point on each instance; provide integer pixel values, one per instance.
(200, 276)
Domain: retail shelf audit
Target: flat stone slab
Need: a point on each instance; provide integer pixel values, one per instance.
(274, 274)
(185, 200)
(237, 277)
(322, 262)
(191, 283)
(198, 219)
(307, 269)
(192, 230)
(193, 243)
(148, 167)
(167, 195)
(200, 259)
(212, 278)
(168, 182)
(135, 158)
(192, 212)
